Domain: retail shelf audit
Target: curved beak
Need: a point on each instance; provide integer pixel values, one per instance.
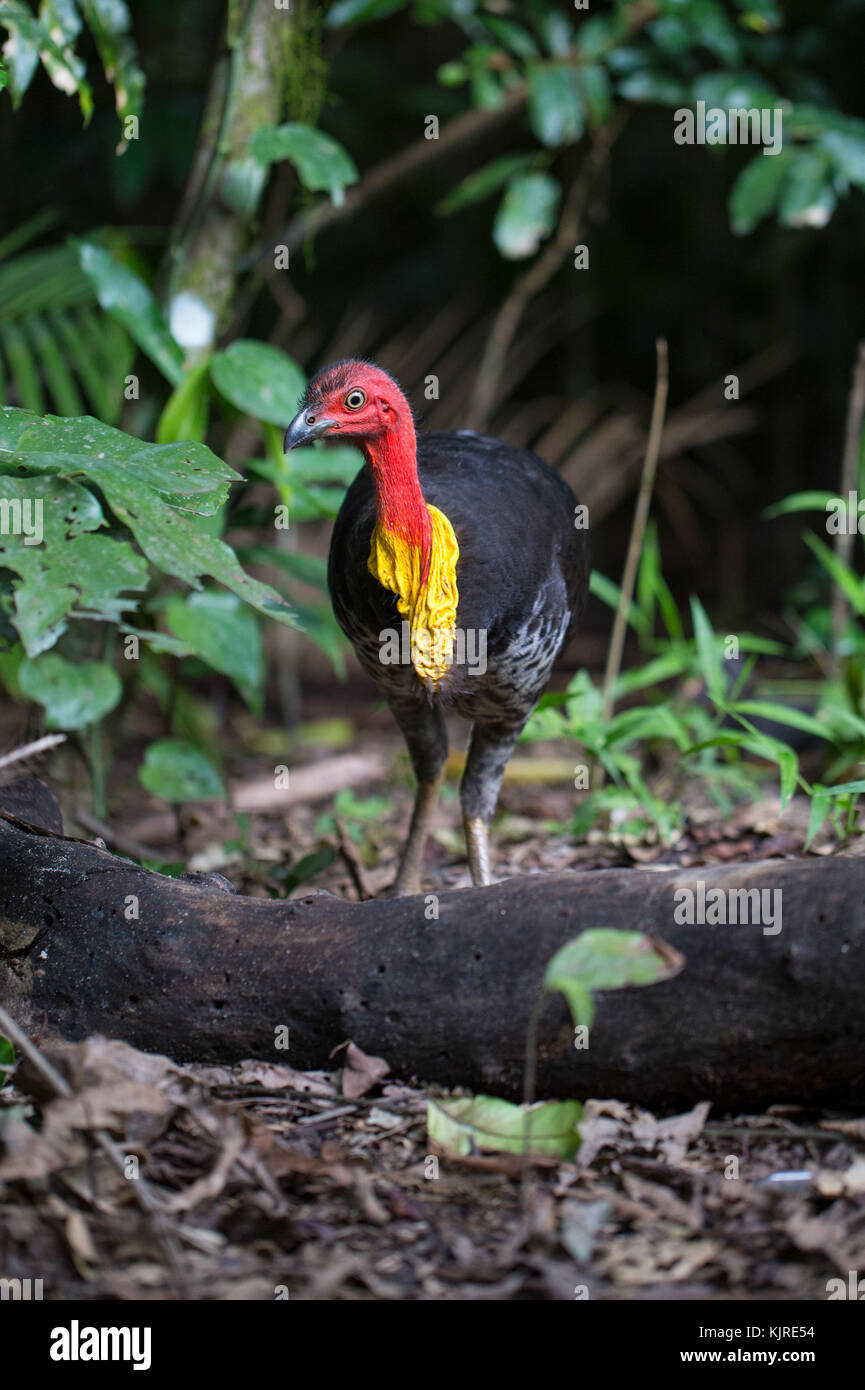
(300, 431)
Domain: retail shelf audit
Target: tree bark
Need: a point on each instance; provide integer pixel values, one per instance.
(204, 974)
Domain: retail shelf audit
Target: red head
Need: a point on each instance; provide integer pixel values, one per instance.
(352, 402)
(355, 402)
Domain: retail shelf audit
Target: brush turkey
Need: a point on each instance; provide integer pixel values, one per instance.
(458, 573)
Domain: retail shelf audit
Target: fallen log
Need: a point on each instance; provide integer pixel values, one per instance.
(90, 942)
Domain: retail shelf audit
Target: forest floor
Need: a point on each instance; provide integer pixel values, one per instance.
(260, 1182)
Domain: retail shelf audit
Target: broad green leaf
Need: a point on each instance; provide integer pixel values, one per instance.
(218, 628)
(596, 91)
(322, 163)
(555, 103)
(73, 694)
(261, 380)
(527, 214)
(125, 296)
(511, 36)
(187, 409)
(7, 1051)
(309, 569)
(70, 569)
(848, 155)
(597, 34)
(757, 190)
(178, 771)
(465, 1124)
(485, 181)
(325, 465)
(317, 622)
(604, 958)
(808, 197)
(188, 475)
(646, 85)
(174, 544)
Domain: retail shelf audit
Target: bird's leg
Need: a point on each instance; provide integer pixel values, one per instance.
(478, 847)
(423, 729)
(490, 747)
(425, 802)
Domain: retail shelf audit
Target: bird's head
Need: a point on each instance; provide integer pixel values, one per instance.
(351, 402)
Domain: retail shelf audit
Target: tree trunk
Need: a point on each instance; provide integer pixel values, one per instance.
(201, 973)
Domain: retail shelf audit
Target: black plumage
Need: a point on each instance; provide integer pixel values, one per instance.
(522, 576)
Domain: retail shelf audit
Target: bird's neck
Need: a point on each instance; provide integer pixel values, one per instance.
(414, 553)
(399, 502)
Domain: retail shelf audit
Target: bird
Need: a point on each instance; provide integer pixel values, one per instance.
(459, 572)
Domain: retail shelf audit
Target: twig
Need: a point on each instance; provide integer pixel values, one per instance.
(641, 515)
(468, 126)
(29, 750)
(126, 844)
(538, 276)
(849, 483)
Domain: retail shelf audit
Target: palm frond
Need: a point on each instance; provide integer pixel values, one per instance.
(58, 350)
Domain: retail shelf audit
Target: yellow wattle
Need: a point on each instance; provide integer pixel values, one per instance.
(431, 608)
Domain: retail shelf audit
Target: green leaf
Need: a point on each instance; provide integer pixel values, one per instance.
(597, 35)
(188, 475)
(604, 958)
(555, 103)
(708, 655)
(178, 771)
(125, 296)
(7, 1051)
(757, 190)
(174, 544)
(187, 410)
(306, 868)
(309, 569)
(109, 22)
(848, 155)
(322, 163)
(511, 36)
(781, 714)
(361, 11)
(218, 628)
(65, 69)
(485, 181)
(526, 215)
(801, 502)
(329, 464)
(74, 694)
(820, 807)
(69, 570)
(596, 91)
(466, 1123)
(808, 198)
(843, 575)
(260, 380)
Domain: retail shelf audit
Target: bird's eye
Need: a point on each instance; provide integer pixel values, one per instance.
(355, 399)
